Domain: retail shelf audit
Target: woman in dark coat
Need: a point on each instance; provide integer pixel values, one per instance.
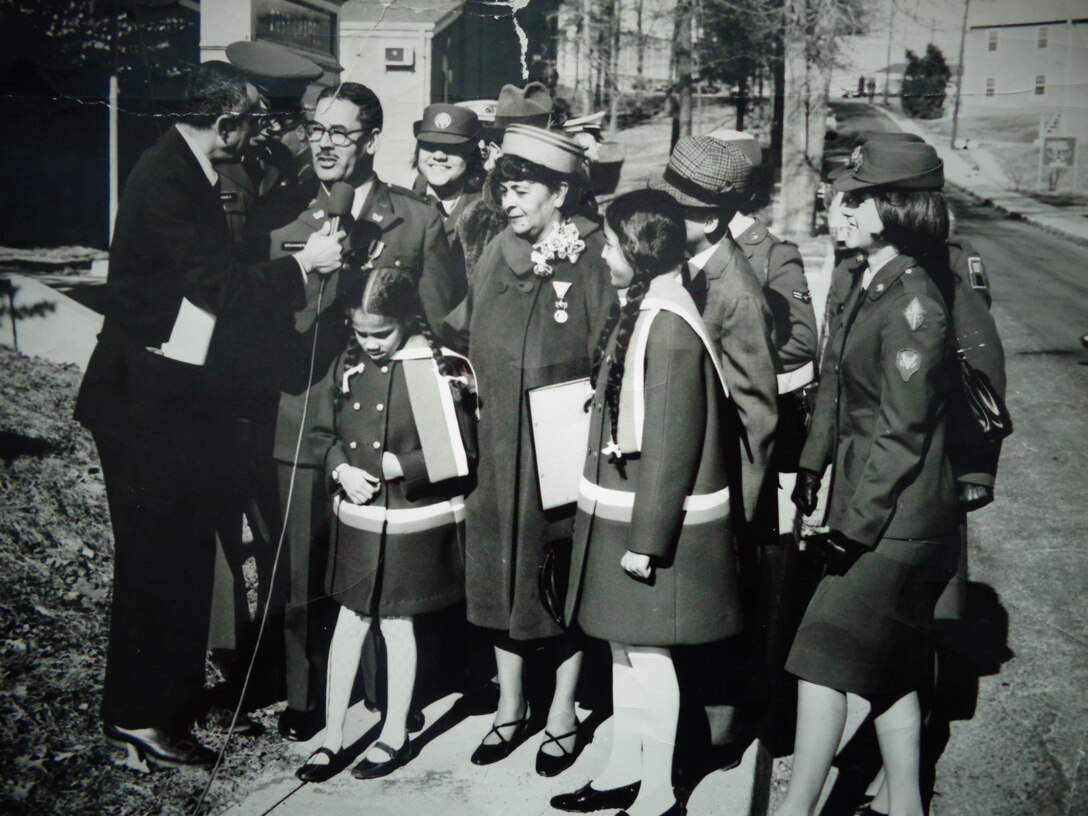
(652, 565)
(394, 428)
(535, 306)
(880, 421)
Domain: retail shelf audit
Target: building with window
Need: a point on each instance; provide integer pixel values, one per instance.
(1026, 56)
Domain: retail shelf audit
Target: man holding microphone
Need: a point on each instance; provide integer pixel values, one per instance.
(157, 413)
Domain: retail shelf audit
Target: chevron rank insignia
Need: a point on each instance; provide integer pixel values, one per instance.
(915, 314)
(908, 361)
(804, 297)
(977, 273)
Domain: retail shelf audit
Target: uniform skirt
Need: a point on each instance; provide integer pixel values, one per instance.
(867, 631)
(396, 575)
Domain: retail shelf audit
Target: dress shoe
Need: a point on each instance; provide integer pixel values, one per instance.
(153, 746)
(366, 769)
(299, 726)
(321, 772)
(487, 754)
(552, 764)
(676, 809)
(217, 720)
(587, 798)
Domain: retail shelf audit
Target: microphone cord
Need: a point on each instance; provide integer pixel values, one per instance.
(198, 808)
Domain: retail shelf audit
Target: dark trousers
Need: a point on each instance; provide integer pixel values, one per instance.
(310, 614)
(163, 510)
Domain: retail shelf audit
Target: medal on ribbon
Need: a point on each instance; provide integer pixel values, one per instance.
(561, 288)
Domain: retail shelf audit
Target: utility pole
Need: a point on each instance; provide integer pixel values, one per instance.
(888, 64)
(959, 77)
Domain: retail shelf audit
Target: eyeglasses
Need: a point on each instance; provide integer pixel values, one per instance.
(338, 136)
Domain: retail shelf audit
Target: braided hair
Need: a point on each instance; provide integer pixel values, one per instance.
(652, 236)
(392, 292)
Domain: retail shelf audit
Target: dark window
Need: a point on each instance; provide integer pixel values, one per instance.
(1040, 84)
(991, 86)
(993, 41)
(1044, 36)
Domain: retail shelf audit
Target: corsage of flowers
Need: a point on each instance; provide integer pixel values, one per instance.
(563, 242)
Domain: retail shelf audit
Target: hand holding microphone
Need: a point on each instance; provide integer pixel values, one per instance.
(324, 250)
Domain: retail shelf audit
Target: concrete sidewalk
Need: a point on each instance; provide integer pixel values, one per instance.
(977, 173)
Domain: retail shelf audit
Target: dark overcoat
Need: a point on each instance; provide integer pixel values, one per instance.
(390, 570)
(413, 236)
(516, 344)
(739, 321)
(450, 220)
(880, 410)
(693, 597)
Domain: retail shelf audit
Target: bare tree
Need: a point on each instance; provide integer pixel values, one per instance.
(681, 54)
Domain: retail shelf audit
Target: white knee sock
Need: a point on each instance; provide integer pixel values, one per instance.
(625, 757)
(654, 672)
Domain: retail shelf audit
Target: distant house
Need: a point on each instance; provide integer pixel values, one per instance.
(1026, 56)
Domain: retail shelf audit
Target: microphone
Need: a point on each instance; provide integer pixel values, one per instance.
(341, 197)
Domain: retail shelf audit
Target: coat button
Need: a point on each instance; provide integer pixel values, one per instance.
(377, 445)
(525, 286)
(353, 445)
(396, 262)
(385, 369)
(380, 407)
(357, 406)
(501, 286)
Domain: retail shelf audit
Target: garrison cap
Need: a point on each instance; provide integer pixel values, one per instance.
(702, 171)
(531, 105)
(556, 151)
(447, 124)
(279, 73)
(903, 165)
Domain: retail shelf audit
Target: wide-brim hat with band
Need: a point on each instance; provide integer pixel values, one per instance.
(531, 105)
(898, 164)
(746, 142)
(556, 151)
(278, 73)
(447, 124)
(703, 172)
(870, 136)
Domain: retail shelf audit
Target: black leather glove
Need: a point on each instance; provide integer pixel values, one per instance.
(805, 490)
(841, 552)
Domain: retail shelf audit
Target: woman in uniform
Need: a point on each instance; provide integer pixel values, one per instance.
(652, 565)
(536, 303)
(880, 420)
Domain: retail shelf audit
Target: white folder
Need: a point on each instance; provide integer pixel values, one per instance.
(560, 435)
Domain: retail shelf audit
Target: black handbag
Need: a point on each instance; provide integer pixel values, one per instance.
(552, 579)
(977, 407)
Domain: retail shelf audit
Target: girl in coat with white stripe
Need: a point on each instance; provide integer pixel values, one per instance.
(653, 565)
(395, 429)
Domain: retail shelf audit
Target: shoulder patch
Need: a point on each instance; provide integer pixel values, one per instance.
(915, 314)
(977, 272)
(907, 361)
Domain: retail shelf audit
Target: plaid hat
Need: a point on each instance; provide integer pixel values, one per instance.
(897, 136)
(447, 124)
(902, 165)
(555, 151)
(531, 105)
(747, 143)
(703, 171)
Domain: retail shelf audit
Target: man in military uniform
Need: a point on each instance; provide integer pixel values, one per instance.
(391, 226)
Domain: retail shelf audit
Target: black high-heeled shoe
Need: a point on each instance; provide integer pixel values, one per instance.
(368, 769)
(676, 809)
(587, 798)
(486, 754)
(555, 764)
(152, 746)
(316, 772)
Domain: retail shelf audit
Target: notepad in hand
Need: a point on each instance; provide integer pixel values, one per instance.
(191, 336)
(560, 434)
